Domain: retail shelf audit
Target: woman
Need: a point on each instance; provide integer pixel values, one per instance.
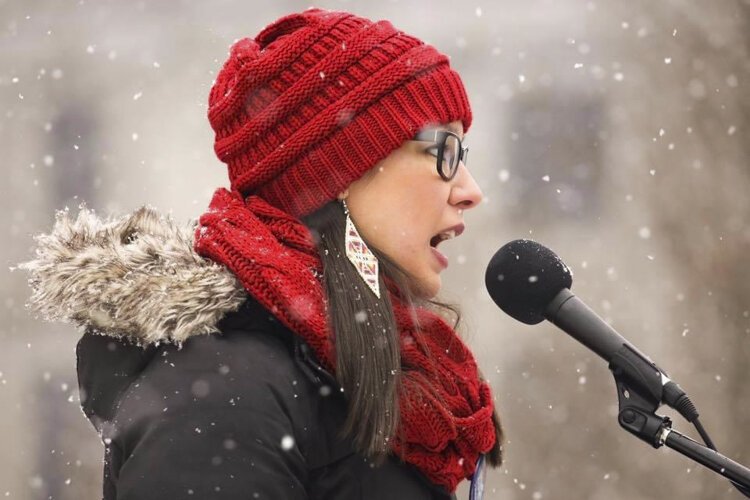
(328, 372)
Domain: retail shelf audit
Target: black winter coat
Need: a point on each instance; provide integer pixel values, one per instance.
(244, 414)
(241, 411)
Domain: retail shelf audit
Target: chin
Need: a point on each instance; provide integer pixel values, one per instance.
(428, 289)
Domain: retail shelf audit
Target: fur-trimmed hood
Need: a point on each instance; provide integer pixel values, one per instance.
(135, 285)
(134, 276)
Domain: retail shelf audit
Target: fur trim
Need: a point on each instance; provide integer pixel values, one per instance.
(135, 276)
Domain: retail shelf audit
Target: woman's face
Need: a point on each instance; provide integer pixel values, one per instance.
(402, 203)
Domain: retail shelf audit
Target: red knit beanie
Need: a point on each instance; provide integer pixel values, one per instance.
(320, 97)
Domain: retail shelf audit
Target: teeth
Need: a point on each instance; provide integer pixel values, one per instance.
(448, 234)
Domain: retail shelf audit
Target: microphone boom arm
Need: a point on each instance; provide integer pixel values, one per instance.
(641, 388)
(637, 416)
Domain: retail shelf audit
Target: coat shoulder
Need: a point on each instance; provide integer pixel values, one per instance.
(249, 365)
(253, 374)
(228, 410)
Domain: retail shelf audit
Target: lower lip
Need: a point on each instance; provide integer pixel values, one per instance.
(440, 257)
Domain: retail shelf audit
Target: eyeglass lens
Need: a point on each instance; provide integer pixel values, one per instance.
(451, 154)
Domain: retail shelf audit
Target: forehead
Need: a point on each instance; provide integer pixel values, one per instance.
(455, 127)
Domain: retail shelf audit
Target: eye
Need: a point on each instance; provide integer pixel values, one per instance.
(433, 150)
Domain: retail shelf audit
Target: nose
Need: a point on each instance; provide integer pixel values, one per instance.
(465, 192)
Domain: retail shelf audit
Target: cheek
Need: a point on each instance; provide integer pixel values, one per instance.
(413, 217)
(410, 231)
(401, 207)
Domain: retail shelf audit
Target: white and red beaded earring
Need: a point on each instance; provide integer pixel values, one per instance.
(358, 254)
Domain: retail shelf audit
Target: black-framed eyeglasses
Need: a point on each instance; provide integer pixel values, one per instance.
(450, 151)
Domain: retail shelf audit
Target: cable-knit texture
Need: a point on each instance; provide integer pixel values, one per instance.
(318, 98)
(446, 409)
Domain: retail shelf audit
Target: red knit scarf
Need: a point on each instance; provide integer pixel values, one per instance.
(446, 410)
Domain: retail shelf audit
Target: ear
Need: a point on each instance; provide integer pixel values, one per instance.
(343, 194)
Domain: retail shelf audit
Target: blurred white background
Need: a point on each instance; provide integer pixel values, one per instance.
(615, 133)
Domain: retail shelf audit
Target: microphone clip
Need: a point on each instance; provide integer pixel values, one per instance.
(639, 394)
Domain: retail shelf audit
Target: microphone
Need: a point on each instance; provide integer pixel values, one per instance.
(529, 282)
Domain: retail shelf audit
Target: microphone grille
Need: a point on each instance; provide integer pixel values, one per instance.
(523, 277)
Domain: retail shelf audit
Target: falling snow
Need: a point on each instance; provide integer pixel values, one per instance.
(619, 139)
(287, 443)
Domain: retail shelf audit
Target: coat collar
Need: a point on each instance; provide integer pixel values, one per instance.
(135, 276)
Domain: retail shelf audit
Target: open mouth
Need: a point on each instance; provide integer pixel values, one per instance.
(442, 236)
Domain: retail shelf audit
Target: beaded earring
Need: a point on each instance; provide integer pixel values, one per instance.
(358, 254)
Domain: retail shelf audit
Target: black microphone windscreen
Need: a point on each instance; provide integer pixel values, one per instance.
(523, 277)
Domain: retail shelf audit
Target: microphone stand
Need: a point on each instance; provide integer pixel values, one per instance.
(639, 393)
